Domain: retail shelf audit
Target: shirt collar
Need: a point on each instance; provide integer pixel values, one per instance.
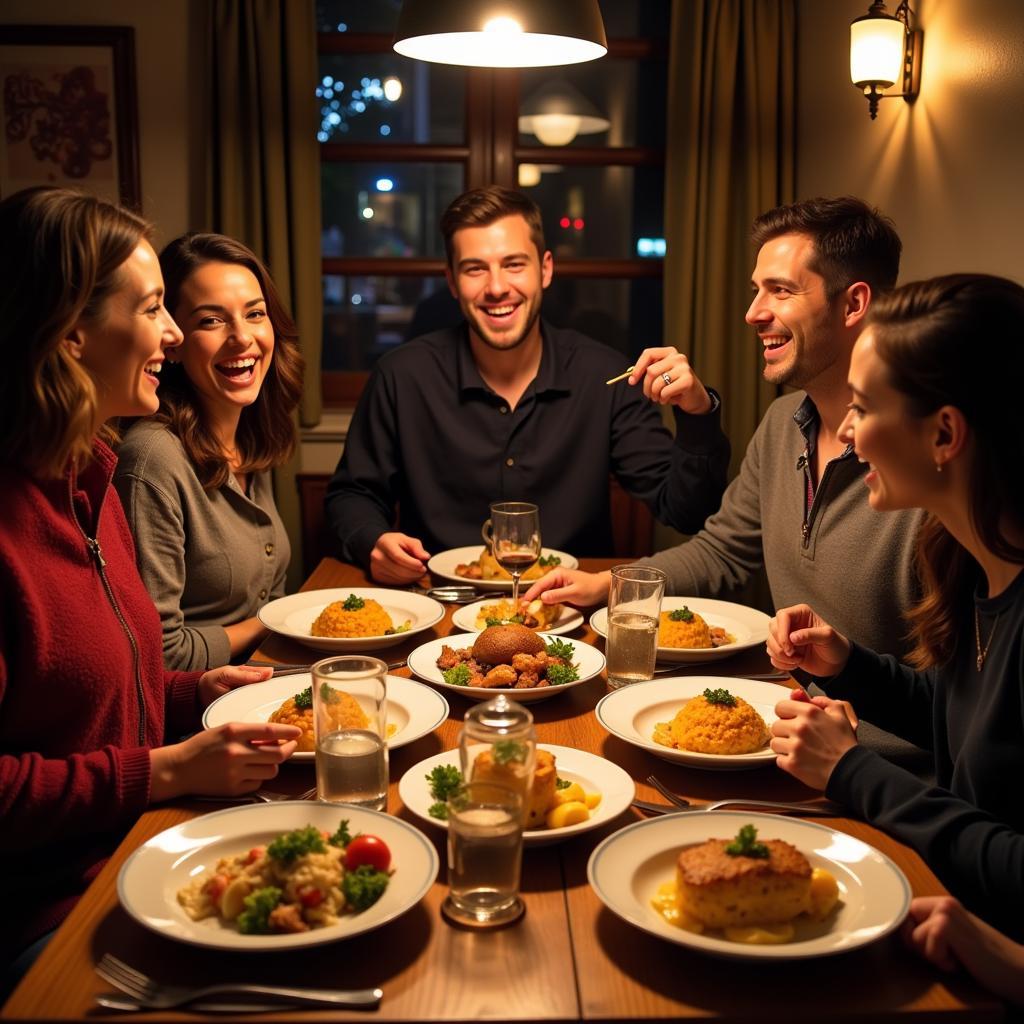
(809, 422)
(552, 374)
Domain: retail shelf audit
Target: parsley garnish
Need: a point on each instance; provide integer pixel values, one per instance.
(342, 837)
(746, 845)
(562, 783)
(681, 615)
(504, 622)
(546, 561)
(443, 779)
(327, 694)
(364, 886)
(353, 603)
(560, 649)
(255, 919)
(507, 751)
(559, 675)
(459, 675)
(304, 699)
(298, 843)
(720, 696)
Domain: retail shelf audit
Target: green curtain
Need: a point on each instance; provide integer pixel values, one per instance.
(730, 155)
(263, 174)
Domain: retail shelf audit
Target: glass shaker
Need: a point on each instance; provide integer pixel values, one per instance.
(498, 744)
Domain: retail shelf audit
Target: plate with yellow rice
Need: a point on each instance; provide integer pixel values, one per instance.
(726, 735)
(414, 709)
(628, 868)
(348, 619)
(696, 629)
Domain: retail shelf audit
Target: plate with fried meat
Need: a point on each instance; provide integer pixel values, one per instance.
(697, 629)
(546, 618)
(510, 659)
(348, 619)
(475, 564)
(714, 722)
(413, 709)
(749, 886)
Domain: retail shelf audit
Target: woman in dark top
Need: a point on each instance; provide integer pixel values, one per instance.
(935, 380)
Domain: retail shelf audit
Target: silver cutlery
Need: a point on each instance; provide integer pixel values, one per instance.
(664, 667)
(294, 670)
(113, 1001)
(151, 995)
(260, 796)
(455, 594)
(816, 810)
(653, 780)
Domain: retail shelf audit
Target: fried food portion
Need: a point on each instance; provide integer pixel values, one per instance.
(720, 724)
(535, 615)
(485, 567)
(352, 617)
(721, 890)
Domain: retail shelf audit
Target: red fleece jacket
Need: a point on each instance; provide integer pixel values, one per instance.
(83, 691)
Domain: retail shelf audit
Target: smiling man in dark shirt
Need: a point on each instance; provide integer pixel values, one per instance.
(506, 407)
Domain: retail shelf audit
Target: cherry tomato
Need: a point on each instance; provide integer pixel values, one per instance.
(370, 850)
(311, 897)
(215, 888)
(254, 854)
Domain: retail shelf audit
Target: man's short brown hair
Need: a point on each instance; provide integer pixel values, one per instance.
(852, 241)
(482, 206)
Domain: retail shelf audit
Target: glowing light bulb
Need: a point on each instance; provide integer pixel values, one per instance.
(393, 89)
(504, 25)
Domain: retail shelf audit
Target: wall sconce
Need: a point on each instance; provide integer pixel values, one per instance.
(884, 50)
(557, 112)
(501, 33)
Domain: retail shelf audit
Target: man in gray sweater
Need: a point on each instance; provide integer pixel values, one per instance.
(799, 506)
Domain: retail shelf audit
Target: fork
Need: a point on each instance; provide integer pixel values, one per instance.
(153, 996)
(260, 796)
(821, 808)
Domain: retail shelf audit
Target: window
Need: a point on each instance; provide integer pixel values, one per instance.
(400, 139)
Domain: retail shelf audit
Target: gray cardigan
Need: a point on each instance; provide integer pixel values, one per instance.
(209, 559)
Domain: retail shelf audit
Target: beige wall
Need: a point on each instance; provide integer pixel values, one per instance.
(948, 168)
(163, 79)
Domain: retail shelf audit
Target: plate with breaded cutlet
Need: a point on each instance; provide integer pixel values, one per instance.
(749, 886)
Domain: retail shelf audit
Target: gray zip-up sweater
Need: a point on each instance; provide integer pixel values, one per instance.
(209, 559)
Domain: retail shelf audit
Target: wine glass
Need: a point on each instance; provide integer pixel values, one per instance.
(515, 539)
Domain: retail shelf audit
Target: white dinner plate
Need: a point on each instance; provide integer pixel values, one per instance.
(593, 773)
(444, 563)
(632, 712)
(748, 625)
(589, 662)
(626, 869)
(414, 709)
(293, 616)
(149, 881)
(465, 617)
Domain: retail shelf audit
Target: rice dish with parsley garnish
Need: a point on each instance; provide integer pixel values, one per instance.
(714, 722)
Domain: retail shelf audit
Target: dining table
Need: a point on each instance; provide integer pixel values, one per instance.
(568, 958)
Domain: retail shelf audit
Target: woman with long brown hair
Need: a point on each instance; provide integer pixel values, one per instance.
(195, 478)
(86, 705)
(935, 380)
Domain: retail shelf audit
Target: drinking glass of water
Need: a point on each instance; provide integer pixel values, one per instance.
(634, 605)
(513, 534)
(350, 727)
(485, 848)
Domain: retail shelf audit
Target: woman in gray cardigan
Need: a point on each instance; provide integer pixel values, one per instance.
(194, 479)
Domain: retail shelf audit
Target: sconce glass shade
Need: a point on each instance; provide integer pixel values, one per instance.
(557, 112)
(501, 33)
(877, 48)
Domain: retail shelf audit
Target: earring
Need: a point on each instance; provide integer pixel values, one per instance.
(938, 467)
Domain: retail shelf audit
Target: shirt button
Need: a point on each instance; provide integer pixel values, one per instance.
(503, 410)
(269, 549)
(510, 462)
(263, 593)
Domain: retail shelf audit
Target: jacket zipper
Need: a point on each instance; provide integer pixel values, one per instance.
(810, 513)
(96, 553)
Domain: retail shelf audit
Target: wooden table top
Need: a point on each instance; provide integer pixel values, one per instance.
(569, 958)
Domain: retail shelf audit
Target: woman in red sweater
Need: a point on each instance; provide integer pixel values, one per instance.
(86, 708)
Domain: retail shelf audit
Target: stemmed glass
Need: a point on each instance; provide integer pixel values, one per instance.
(515, 539)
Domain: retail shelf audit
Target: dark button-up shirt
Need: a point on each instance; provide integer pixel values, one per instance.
(430, 437)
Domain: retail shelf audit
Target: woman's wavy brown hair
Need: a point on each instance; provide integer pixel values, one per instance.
(59, 264)
(959, 340)
(266, 431)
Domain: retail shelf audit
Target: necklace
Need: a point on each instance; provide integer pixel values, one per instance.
(982, 651)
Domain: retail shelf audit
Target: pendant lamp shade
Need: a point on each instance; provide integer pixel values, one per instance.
(501, 33)
(557, 112)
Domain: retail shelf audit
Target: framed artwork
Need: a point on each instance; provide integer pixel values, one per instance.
(70, 115)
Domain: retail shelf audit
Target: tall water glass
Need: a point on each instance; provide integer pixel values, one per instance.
(634, 605)
(350, 712)
(513, 532)
(485, 848)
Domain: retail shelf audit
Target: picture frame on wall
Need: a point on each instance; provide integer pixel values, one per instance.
(69, 110)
